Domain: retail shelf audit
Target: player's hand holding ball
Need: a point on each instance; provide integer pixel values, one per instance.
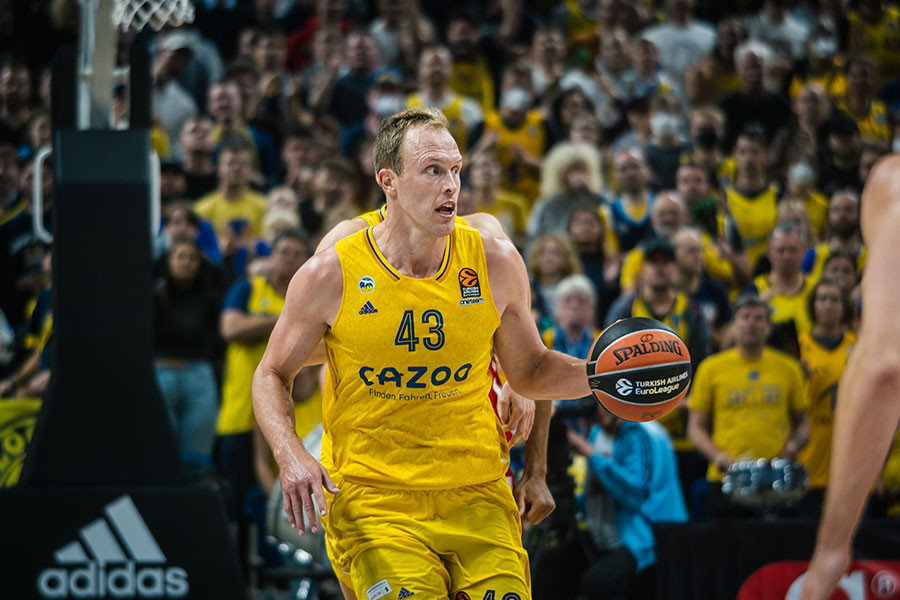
(639, 369)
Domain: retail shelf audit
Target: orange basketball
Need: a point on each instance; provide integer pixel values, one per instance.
(639, 369)
(468, 277)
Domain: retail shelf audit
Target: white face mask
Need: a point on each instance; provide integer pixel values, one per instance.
(823, 47)
(664, 124)
(516, 99)
(801, 174)
(387, 105)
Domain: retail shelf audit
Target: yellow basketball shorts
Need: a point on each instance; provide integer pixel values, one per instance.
(460, 543)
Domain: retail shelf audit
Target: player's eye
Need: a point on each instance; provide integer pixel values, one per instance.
(432, 170)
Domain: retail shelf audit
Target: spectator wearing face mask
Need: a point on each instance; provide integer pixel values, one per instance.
(821, 67)
(839, 167)
(518, 134)
(666, 148)
(706, 129)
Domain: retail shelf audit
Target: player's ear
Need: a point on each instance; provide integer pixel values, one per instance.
(385, 178)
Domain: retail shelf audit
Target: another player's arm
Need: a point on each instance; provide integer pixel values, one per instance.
(311, 304)
(867, 407)
(532, 494)
(532, 369)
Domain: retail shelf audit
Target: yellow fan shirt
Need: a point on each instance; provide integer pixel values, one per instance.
(750, 402)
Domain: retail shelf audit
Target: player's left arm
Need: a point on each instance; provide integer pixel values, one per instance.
(532, 369)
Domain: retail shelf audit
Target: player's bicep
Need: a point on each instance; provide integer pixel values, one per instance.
(517, 342)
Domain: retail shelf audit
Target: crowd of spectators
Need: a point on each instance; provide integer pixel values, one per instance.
(693, 161)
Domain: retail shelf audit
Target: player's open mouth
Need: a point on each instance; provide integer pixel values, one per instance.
(446, 209)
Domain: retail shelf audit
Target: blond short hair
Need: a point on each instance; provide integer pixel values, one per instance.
(389, 139)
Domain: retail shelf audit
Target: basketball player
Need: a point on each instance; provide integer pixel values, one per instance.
(531, 492)
(411, 310)
(868, 404)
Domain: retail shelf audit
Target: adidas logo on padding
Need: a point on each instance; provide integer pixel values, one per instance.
(119, 561)
(368, 309)
(404, 593)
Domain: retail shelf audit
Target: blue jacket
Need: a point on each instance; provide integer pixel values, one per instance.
(642, 478)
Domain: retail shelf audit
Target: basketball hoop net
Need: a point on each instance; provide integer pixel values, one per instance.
(135, 14)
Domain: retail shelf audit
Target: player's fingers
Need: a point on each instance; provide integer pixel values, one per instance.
(528, 425)
(503, 411)
(520, 500)
(515, 438)
(309, 509)
(319, 495)
(288, 507)
(329, 485)
(297, 508)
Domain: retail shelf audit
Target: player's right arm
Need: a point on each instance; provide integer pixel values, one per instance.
(311, 304)
(868, 404)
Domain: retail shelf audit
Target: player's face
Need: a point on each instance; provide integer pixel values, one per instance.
(828, 306)
(428, 187)
(751, 325)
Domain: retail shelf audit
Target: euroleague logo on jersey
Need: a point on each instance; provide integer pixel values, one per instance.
(469, 288)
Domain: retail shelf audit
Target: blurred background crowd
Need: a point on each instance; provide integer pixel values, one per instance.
(694, 161)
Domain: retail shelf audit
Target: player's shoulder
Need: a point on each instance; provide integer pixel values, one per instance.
(340, 231)
(488, 225)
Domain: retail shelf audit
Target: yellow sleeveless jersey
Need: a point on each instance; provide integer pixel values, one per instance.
(824, 368)
(454, 114)
(409, 364)
(241, 360)
(676, 421)
(750, 402)
(875, 125)
(374, 217)
(530, 136)
(473, 79)
(788, 308)
(755, 217)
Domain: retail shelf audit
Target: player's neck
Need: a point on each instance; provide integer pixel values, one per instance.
(411, 251)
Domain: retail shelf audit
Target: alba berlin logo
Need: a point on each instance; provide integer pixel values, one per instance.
(624, 387)
(113, 562)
